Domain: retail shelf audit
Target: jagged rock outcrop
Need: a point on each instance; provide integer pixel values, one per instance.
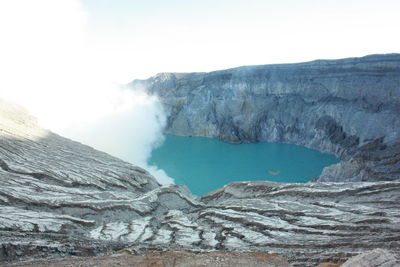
(336, 106)
(376, 257)
(59, 198)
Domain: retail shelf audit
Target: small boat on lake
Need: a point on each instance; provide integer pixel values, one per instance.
(274, 172)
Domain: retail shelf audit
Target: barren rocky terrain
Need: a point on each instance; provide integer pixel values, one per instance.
(60, 198)
(348, 107)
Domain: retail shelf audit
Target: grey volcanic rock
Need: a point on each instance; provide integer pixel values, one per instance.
(305, 223)
(54, 190)
(377, 257)
(61, 198)
(169, 259)
(336, 106)
(371, 162)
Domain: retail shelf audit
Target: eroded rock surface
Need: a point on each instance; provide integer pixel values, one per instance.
(171, 259)
(346, 107)
(377, 257)
(54, 190)
(61, 198)
(374, 258)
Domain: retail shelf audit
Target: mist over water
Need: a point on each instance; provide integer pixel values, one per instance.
(49, 65)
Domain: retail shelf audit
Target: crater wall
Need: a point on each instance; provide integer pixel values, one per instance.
(348, 107)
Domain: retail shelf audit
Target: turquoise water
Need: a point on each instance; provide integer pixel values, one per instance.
(205, 164)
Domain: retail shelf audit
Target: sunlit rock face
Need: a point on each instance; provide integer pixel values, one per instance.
(61, 198)
(336, 106)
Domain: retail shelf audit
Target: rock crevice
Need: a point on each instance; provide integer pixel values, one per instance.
(335, 106)
(61, 198)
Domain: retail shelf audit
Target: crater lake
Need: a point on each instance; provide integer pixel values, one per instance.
(205, 164)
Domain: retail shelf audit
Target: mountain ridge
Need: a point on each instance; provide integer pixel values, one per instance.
(336, 106)
(60, 198)
(375, 57)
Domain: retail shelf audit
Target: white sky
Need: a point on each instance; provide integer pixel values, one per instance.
(51, 65)
(57, 52)
(61, 58)
(142, 38)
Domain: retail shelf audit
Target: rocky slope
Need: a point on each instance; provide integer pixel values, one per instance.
(59, 198)
(349, 107)
(169, 259)
(54, 190)
(377, 257)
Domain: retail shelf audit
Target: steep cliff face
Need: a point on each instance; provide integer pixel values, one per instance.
(336, 106)
(59, 198)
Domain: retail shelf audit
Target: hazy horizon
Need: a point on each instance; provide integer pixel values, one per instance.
(202, 36)
(63, 60)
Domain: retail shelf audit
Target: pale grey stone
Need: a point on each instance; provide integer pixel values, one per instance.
(335, 106)
(61, 198)
(374, 258)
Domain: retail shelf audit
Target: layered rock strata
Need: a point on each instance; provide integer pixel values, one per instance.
(344, 107)
(169, 259)
(59, 198)
(377, 257)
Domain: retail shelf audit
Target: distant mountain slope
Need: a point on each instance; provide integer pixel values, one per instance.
(61, 198)
(349, 107)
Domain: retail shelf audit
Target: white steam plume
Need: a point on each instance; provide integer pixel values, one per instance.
(48, 65)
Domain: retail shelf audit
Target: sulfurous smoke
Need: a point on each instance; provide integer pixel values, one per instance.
(50, 66)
